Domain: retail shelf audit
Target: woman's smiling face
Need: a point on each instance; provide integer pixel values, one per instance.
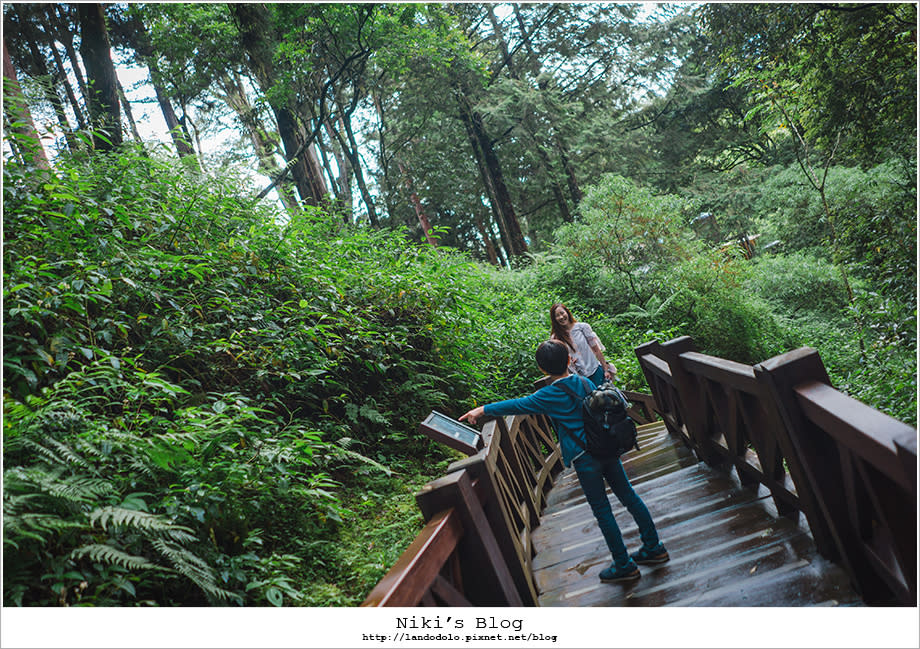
(561, 316)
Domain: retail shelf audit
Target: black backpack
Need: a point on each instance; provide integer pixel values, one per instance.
(609, 431)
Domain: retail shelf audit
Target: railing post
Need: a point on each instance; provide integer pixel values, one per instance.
(487, 580)
(663, 394)
(850, 460)
(650, 348)
(806, 456)
(690, 401)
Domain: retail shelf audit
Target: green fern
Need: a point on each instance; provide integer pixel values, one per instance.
(654, 309)
(343, 451)
(194, 569)
(38, 527)
(80, 489)
(151, 523)
(54, 482)
(113, 556)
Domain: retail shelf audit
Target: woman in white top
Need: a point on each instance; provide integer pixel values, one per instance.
(586, 351)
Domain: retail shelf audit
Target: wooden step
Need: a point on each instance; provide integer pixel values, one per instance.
(727, 546)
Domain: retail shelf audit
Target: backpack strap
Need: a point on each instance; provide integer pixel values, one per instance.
(569, 391)
(578, 405)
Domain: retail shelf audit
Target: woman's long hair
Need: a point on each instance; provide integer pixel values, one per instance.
(558, 331)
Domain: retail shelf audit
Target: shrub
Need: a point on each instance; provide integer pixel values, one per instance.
(798, 283)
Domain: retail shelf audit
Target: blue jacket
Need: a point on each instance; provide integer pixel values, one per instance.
(553, 401)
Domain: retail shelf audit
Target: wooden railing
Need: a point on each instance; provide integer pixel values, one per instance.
(475, 549)
(849, 469)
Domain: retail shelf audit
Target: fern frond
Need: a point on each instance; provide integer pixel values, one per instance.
(38, 527)
(141, 520)
(67, 453)
(113, 556)
(47, 454)
(79, 488)
(141, 467)
(52, 482)
(343, 451)
(194, 569)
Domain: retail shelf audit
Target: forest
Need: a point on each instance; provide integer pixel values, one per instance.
(218, 344)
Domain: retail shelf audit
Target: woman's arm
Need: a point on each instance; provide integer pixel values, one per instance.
(609, 369)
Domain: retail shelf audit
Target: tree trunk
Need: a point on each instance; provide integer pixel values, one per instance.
(262, 143)
(17, 111)
(184, 123)
(320, 191)
(60, 77)
(66, 38)
(417, 204)
(300, 154)
(343, 181)
(487, 240)
(140, 40)
(104, 109)
(483, 174)
(50, 90)
(183, 146)
(127, 106)
(574, 189)
(382, 162)
(493, 177)
(352, 152)
(527, 121)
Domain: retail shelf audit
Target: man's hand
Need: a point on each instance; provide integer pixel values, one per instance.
(473, 415)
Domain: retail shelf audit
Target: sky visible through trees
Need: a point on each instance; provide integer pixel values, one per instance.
(441, 173)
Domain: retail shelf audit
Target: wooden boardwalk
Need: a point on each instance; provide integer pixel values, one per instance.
(728, 547)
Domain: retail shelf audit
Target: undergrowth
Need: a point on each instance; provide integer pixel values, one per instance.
(207, 403)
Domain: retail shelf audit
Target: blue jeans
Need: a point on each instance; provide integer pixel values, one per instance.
(598, 377)
(591, 474)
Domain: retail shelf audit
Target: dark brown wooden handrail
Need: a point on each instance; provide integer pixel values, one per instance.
(849, 469)
(413, 575)
(870, 433)
(475, 549)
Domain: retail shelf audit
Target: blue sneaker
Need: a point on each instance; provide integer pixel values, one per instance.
(613, 575)
(647, 557)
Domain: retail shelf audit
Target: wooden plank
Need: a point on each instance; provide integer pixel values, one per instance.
(721, 537)
(700, 567)
(738, 375)
(853, 424)
(694, 520)
(806, 582)
(725, 526)
(417, 567)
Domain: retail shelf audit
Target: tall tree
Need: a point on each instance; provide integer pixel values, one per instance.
(492, 175)
(16, 110)
(264, 142)
(259, 38)
(30, 41)
(130, 30)
(104, 105)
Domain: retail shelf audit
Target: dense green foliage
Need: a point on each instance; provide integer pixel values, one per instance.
(198, 394)
(211, 398)
(190, 388)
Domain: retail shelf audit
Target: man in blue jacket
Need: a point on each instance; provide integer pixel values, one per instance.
(553, 358)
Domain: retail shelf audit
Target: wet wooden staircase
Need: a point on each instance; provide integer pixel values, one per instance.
(768, 487)
(727, 547)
